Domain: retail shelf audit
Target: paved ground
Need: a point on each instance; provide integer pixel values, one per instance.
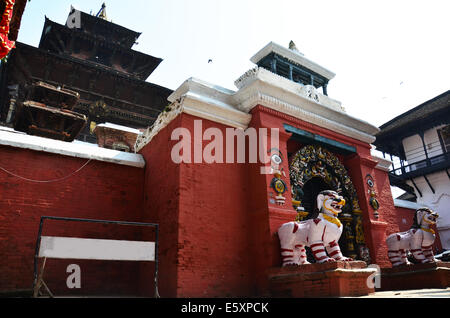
(417, 293)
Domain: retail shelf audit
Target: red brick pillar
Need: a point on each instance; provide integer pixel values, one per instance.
(387, 211)
(359, 169)
(265, 215)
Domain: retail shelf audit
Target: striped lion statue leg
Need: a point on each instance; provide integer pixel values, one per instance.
(418, 240)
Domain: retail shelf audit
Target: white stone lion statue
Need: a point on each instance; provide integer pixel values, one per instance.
(418, 240)
(321, 234)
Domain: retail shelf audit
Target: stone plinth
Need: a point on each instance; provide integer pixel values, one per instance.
(416, 276)
(336, 279)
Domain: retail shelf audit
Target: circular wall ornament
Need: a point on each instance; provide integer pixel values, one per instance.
(279, 186)
(276, 159)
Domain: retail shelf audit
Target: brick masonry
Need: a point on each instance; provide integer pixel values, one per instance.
(337, 279)
(217, 226)
(417, 276)
(99, 191)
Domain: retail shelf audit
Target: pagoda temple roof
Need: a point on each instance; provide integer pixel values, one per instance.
(59, 39)
(427, 115)
(33, 54)
(88, 64)
(107, 30)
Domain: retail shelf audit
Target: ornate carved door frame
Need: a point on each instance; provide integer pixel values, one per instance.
(313, 161)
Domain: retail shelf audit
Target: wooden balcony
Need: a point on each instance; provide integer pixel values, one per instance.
(423, 167)
(399, 176)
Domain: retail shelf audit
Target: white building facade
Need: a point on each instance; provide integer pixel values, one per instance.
(420, 138)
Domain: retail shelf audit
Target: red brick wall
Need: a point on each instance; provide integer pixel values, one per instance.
(217, 227)
(99, 191)
(161, 206)
(266, 215)
(388, 212)
(202, 213)
(404, 218)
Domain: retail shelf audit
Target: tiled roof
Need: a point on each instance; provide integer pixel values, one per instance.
(426, 110)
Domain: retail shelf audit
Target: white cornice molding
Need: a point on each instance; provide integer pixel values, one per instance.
(294, 56)
(279, 86)
(383, 164)
(71, 149)
(214, 110)
(164, 119)
(261, 87)
(200, 99)
(210, 102)
(202, 88)
(274, 103)
(406, 204)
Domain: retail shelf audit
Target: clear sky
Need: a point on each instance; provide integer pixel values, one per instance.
(388, 56)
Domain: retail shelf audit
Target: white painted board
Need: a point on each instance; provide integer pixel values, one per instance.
(96, 249)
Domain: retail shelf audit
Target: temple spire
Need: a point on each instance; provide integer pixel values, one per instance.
(102, 13)
(292, 46)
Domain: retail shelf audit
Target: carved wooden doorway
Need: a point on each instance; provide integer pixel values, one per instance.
(313, 169)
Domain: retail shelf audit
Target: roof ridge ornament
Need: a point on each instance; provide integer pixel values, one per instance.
(102, 13)
(294, 48)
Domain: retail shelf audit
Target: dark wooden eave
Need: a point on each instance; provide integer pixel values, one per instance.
(14, 25)
(53, 96)
(28, 64)
(430, 114)
(40, 120)
(89, 64)
(288, 69)
(307, 137)
(60, 39)
(108, 31)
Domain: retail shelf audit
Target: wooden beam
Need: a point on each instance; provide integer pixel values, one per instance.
(415, 186)
(308, 137)
(421, 134)
(429, 184)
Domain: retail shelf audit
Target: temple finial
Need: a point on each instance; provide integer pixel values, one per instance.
(102, 13)
(292, 46)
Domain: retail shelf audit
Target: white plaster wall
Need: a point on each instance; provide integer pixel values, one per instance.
(432, 142)
(414, 148)
(439, 201)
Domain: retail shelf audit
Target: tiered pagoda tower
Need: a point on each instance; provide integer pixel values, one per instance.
(93, 57)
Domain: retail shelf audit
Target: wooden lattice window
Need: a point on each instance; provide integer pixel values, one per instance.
(444, 138)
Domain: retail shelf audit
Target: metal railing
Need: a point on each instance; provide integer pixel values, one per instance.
(441, 161)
